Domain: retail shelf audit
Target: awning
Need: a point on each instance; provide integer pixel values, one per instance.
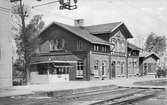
(55, 59)
(62, 65)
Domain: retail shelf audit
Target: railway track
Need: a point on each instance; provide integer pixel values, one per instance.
(125, 99)
(108, 96)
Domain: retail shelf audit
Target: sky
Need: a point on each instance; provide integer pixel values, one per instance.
(140, 16)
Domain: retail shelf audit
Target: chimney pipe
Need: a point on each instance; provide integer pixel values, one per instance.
(79, 22)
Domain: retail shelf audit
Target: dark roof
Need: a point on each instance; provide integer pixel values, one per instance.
(108, 28)
(80, 32)
(154, 55)
(87, 31)
(134, 47)
(149, 54)
(103, 28)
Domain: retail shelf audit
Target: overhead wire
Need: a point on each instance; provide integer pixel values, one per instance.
(6, 10)
(45, 4)
(48, 12)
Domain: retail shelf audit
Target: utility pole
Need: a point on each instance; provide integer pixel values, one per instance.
(64, 4)
(22, 16)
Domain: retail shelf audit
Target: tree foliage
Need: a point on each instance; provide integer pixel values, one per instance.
(155, 43)
(30, 39)
(26, 38)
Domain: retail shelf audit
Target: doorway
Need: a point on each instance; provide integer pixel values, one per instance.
(113, 74)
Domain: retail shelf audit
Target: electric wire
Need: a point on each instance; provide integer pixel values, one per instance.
(60, 15)
(44, 4)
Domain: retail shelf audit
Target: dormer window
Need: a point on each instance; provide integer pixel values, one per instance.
(57, 44)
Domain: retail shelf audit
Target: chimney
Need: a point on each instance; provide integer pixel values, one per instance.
(79, 22)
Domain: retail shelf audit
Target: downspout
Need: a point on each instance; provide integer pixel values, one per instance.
(109, 65)
(126, 58)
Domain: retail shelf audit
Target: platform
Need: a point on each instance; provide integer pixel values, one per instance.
(73, 85)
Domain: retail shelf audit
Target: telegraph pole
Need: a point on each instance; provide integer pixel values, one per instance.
(22, 16)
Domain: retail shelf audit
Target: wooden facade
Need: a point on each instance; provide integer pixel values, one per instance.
(148, 63)
(94, 52)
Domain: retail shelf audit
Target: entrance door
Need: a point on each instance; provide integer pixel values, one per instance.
(145, 69)
(122, 68)
(113, 74)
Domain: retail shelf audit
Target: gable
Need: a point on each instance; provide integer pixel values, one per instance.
(119, 35)
(119, 42)
(154, 56)
(150, 60)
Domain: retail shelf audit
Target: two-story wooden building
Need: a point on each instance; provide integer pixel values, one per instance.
(80, 52)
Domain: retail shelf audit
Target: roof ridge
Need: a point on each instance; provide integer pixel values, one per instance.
(103, 24)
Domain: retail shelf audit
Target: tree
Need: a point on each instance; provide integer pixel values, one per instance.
(155, 43)
(26, 40)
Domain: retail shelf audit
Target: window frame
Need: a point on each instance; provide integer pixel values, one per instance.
(79, 69)
(57, 44)
(104, 68)
(96, 68)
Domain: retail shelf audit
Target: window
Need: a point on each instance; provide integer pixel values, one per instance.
(79, 44)
(80, 68)
(104, 67)
(96, 69)
(122, 67)
(118, 45)
(42, 72)
(96, 48)
(57, 44)
(104, 48)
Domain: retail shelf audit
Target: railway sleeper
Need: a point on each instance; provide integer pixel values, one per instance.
(126, 98)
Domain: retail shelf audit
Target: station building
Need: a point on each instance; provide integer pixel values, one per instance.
(68, 53)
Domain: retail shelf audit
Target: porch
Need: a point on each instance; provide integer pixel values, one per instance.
(52, 69)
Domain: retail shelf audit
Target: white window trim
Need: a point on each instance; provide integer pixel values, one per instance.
(105, 68)
(97, 70)
(82, 74)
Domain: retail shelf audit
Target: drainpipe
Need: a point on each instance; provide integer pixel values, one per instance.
(110, 65)
(126, 57)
